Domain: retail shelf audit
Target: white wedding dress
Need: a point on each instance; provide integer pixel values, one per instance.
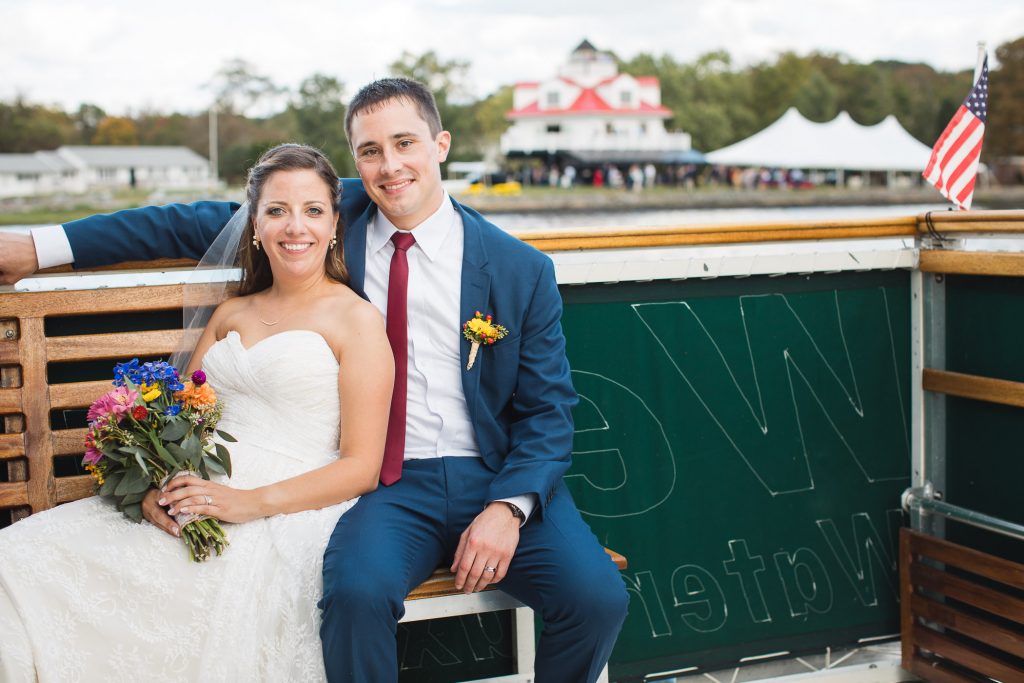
(87, 595)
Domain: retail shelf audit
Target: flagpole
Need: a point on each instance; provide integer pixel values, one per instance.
(981, 60)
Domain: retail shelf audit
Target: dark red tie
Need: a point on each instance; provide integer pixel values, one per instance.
(398, 335)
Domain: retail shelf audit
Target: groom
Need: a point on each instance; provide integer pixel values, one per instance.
(475, 457)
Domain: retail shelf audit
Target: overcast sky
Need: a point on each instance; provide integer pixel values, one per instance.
(128, 55)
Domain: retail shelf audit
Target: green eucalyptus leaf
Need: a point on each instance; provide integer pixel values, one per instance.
(167, 458)
(176, 428)
(134, 478)
(135, 497)
(178, 454)
(227, 437)
(224, 458)
(214, 466)
(132, 511)
(110, 482)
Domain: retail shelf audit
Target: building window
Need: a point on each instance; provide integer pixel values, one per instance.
(626, 97)
(28, 176)
(554, 128)
(643, 129)
(609, 128)
(553, 99)
(107, 173)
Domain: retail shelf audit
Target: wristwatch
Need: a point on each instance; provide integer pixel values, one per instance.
(516, 511)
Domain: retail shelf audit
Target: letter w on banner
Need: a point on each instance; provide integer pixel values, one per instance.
(953, 166)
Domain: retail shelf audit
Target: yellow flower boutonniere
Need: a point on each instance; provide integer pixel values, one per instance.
(481, 330)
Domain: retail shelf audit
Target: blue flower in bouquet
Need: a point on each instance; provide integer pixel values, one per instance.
(147, 373)
(172, 410)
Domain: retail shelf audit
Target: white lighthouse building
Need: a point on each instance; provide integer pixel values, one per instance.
(589, 113)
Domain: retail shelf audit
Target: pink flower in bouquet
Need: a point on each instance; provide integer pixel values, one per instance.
(111, 407)
(92, 454)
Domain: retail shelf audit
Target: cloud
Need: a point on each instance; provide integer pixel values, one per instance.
(126, 55)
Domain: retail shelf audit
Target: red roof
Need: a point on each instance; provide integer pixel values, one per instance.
(647, 80)
(527, 84)
(588, 102)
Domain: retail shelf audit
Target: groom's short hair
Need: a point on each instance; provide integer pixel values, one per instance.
(376, 94)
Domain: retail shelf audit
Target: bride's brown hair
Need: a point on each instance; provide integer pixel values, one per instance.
(256, 273)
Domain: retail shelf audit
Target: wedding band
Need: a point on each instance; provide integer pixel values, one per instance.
(209, 501)
(490, 569)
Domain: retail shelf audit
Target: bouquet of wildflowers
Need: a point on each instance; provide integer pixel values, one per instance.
(149, 428)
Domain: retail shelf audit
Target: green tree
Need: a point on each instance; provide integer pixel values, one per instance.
(87, 120)
(116, 130)
(1004, 132)
(26, 128)
(319, 118)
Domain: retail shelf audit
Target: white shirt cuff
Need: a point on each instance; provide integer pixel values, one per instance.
(52, 246)
(526, 502)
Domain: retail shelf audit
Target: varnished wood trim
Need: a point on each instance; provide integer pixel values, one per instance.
(968, 657)
(955, 555)
(936, 671)
(974, 387)
(965, 591)
(112, 300)
(678, 237)
(972, 262)
(1007, 640)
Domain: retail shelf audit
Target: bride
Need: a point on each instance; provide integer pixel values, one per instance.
(305, 371)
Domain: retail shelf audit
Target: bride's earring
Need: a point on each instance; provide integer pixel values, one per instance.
(256, 241)
(334, 242)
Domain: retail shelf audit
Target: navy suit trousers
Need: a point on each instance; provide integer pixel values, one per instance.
(395, 537)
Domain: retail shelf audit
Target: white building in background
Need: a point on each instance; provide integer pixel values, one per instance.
(76, 169)
(591, 113)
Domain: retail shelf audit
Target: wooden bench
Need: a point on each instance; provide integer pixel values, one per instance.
(961, 612)
(37, 337)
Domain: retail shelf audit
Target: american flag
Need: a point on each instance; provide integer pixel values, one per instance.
(953, 166)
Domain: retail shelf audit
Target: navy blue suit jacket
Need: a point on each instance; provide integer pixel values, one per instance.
(519, 391)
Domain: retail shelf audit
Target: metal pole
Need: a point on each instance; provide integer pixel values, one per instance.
(921, 500)
(213, 144)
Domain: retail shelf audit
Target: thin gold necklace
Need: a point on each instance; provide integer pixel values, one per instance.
(260, 318)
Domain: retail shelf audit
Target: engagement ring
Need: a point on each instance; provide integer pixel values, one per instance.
(490, 569)
(209, 501)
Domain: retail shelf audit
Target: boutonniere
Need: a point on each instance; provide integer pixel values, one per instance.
(481, 330)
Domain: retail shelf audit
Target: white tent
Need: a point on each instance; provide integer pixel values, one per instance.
(840, 144)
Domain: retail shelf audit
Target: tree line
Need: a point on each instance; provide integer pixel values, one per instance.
(713, 99)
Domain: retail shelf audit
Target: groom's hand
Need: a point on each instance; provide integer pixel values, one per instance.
(156, 515)
(486, 548)
(17, 257)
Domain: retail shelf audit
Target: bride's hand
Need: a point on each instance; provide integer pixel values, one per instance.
(201, 497)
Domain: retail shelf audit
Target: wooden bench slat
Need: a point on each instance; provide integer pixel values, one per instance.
(974, 561)
(13, 494)
(442, 581)
(1008, 640)
(12, 446)
(77, 394)
(10, 352)
(68, 489)
(968, 656)
(10, 400)
(89, 301)
(68, 441)
(973, 594)
(120, 346)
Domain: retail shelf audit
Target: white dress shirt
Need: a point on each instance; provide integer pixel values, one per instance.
(437, 417)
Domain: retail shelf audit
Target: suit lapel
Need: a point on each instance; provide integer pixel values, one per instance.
(476, 290)
(355, 251)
